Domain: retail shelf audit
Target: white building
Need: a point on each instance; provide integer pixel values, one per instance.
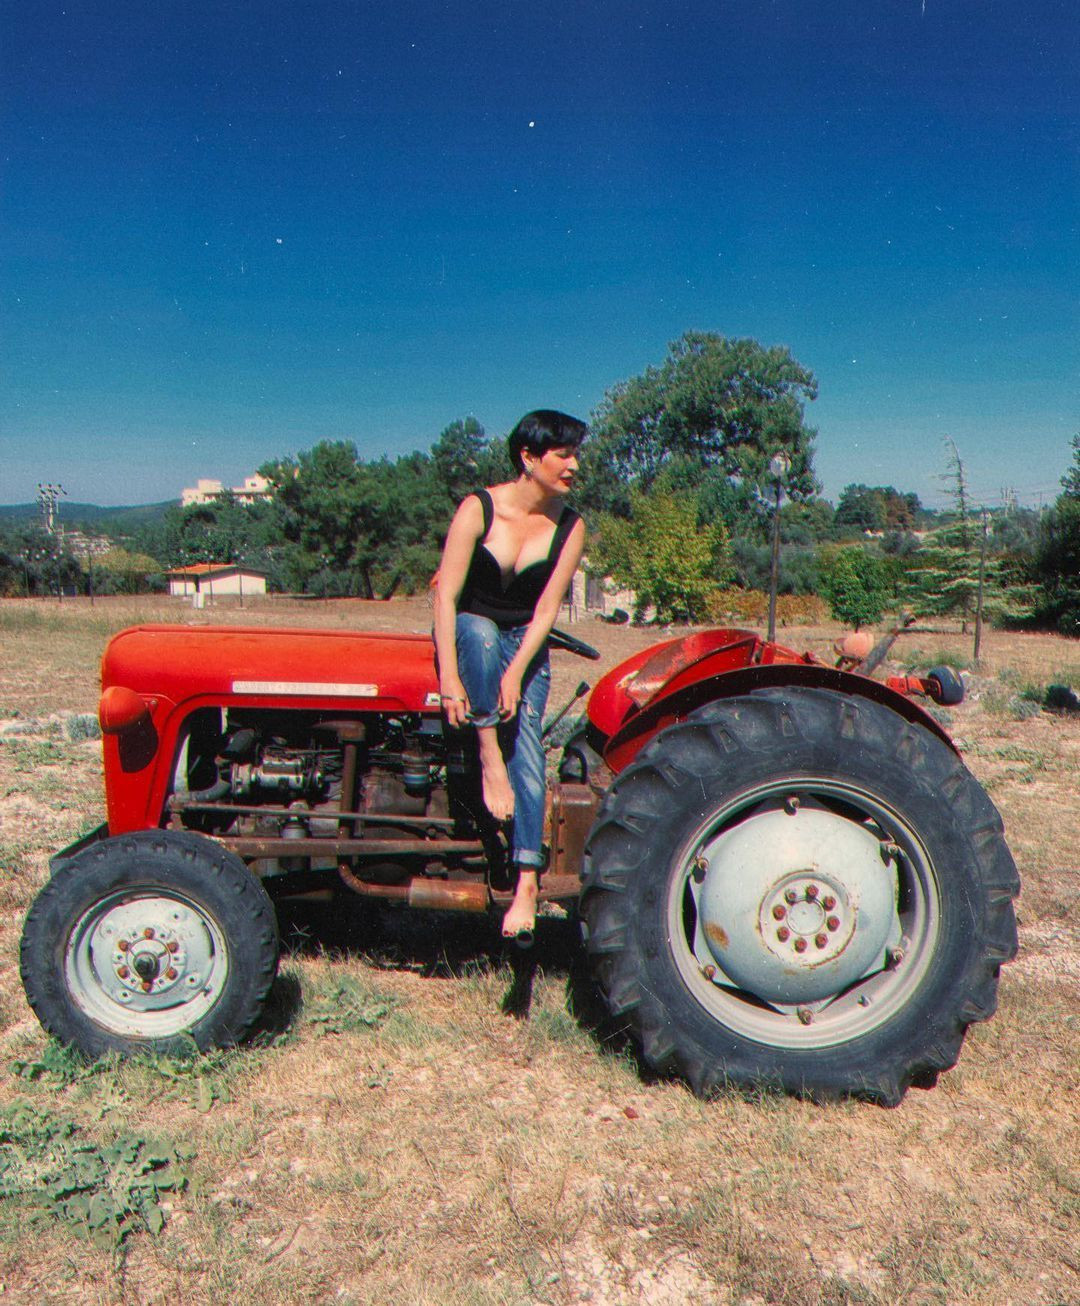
(206, 579)
(205, 489)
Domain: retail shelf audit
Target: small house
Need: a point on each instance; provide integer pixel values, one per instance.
(205, 579)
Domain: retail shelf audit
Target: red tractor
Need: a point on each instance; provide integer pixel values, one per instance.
(785, 874)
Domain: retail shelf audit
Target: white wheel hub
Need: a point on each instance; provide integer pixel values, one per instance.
(146, 964)
(796, 902)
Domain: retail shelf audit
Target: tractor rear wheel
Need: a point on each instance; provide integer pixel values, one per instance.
(150, 941)
(799, 889)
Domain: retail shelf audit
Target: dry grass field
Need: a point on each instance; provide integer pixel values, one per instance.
(425, 1119)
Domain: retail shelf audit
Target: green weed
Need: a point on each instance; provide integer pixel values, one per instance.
(200, 1078)
(82, 725)
(28, 754)
(345, 1006)
(103, 1193)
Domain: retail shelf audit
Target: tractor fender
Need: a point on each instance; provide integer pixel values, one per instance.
(667, 709)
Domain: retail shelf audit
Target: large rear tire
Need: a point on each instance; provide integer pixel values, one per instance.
(148, 942)
(799, 889)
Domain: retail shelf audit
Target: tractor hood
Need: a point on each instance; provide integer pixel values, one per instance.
(274, 668)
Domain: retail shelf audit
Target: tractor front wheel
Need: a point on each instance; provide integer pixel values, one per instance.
(799, 889)
(149, 941)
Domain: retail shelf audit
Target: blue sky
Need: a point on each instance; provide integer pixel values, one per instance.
(230, 230)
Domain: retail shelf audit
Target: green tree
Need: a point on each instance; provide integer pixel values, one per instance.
(352, 527)
(663, 553)
(33, 562)
(729, 404)
(1070, 482)
(324, 512)
(855, 585)
(461, 457)
(120, 571)
(875, 508)
(1057, 557)
(942, 575)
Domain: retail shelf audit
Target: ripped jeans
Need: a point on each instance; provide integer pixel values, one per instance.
(484, 651)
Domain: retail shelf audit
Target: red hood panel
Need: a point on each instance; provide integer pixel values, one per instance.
(253, 664)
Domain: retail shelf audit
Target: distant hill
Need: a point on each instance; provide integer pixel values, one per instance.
(89, 514)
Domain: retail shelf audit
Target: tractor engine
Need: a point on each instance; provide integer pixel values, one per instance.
(300, 777)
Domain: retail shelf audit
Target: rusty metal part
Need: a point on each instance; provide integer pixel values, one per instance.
(420, 891)
(348, 786)
(315, 813)
(250, 846)
(553, 888)
(573, 810)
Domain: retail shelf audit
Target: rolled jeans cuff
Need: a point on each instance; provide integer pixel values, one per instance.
(529, 861)
(483, 719)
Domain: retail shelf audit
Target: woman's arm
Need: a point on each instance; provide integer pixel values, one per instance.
(547, 609)
(465, 530)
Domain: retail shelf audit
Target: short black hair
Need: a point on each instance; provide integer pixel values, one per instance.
(542, 430)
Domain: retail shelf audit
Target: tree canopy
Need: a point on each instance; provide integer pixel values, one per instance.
(729, 404)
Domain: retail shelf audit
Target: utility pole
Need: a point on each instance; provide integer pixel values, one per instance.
(47, 497)
(779, 465)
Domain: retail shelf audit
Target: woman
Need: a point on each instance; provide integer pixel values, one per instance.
(507, 563)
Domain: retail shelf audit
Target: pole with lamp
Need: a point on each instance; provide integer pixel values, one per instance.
(779, 466)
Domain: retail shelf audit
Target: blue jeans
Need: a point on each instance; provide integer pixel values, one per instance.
(484, 651)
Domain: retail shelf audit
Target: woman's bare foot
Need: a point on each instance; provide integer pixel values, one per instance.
(520, 920)
(498, 791)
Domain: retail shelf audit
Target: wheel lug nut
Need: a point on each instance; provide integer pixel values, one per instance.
(779, 912)
(800, 944)
(172, 946)
(811, 892)
(833, 923)
(146, 986)
(791, 805)
(790, 895)
(707, 971)
(701, 866)
(123, 945)
(783, 934)
(148, 933)
(170, 974)
(805, 1015)
(123, 972)
(820, 940)
(828, 902)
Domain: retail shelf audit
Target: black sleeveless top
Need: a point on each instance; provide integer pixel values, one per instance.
(511, 604)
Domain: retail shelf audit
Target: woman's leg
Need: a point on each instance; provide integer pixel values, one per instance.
(480, 665)
(527, 767)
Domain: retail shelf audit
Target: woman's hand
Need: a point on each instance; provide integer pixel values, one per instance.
(509, 693)
(454, 701)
